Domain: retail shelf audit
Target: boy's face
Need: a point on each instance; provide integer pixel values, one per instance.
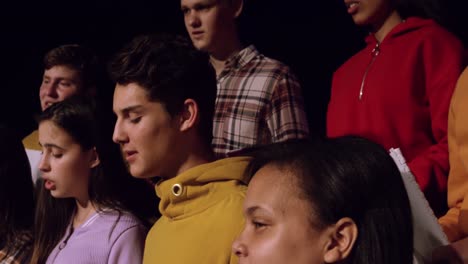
(146, 133)
(208, 22)
(58, 83)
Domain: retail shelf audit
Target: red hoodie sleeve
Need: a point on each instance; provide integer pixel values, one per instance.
(442, 55)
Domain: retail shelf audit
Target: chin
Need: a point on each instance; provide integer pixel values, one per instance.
(201, 45)
(360, 21)
(137, 175)
(140, 174)
(57, 195)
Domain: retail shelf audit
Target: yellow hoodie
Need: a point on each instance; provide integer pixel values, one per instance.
(201, 215)
(455, 222)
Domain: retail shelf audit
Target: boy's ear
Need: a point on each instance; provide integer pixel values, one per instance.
(189, 116)
(237, 5)
(341, 241)
(95, 161)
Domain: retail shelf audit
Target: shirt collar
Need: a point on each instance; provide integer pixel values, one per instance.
(242, 58)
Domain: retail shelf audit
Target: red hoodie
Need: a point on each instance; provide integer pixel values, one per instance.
(397, 93)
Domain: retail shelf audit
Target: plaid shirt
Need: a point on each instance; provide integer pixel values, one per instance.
(20, 253)
(258, 102)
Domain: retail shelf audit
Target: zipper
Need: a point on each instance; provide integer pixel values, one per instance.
(375, 52)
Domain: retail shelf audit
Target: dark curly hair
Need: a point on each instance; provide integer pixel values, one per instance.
(171, 70)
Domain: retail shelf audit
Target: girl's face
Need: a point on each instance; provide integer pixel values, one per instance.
(65, 166)
(279, 226)
(369, 12)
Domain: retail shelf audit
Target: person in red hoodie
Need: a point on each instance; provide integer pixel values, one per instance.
(396, 91)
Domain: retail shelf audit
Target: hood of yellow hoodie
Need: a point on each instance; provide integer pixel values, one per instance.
(32, 141)
(201, 187)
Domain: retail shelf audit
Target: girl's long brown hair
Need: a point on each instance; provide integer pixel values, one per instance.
(110, 185)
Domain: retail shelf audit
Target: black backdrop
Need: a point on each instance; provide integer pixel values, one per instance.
(313, 37)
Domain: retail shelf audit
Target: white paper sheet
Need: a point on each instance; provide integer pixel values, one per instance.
(427, 233)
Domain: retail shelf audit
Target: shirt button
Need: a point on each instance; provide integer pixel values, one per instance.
(62, 245)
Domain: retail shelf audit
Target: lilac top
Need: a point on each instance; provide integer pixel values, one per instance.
(102, 239)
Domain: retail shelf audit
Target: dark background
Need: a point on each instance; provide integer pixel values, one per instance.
(312, 37)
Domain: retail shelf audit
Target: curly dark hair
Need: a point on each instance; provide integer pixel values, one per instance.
(171, 70)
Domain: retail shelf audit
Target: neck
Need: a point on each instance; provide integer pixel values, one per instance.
(228, 48)
(84, 209)
(194, 160)
(196, 155)
(381, 30)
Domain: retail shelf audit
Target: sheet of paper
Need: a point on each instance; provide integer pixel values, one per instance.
(428, 234)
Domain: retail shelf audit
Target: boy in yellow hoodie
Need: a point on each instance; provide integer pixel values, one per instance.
(164, 102)
(455, 222)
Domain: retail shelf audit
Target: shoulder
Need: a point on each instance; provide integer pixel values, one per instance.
(128, 240)
(119, 222)
(228, 210)
(267, 65)
(123, 218)
(431, 33)
(277, 67)
(460, 95)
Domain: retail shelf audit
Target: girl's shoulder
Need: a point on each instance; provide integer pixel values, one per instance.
(119, 218)
(113, 223)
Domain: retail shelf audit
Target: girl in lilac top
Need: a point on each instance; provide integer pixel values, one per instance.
(82, 212)
(98, 241)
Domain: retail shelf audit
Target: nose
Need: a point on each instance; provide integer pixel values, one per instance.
(49, 89)
(119, 135)
(192, 19)
(44, 164)
(239, 248)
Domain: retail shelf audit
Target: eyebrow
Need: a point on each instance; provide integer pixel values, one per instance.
(132, 108)
(47, 77)
(252, 210)
(205, 3)
(50, 145)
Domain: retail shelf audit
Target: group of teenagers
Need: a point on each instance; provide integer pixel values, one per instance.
(208, 156)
